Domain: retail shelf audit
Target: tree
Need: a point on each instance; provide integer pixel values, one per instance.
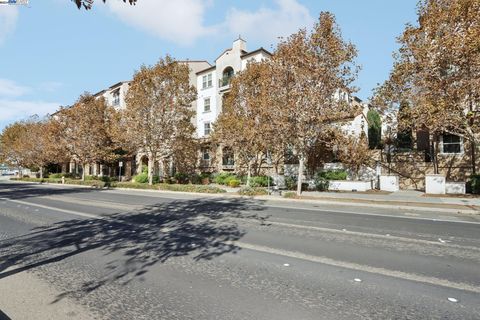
(374, 129)
(158, 113)
(313, 75)
(437, 71)
(12, 145)
(84, 130)
(245, 124)
(87, 4)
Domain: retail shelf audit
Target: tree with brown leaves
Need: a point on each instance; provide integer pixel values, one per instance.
(87, 4)
(312, 77)
(437, 71)
(158, 113)
(245, 124)
(84, 130)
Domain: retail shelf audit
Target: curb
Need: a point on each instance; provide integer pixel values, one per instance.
(342, 202)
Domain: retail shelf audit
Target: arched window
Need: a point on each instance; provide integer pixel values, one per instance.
(226, 76)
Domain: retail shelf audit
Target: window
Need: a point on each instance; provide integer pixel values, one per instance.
(116, 97)
(207, 81)
(206, 105)
(228, 158)
(451, 143)
(206, 128)
(206, 154)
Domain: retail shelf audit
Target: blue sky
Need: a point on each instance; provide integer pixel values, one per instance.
(50, 52)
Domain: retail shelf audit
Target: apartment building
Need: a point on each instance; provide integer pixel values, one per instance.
(213, 83)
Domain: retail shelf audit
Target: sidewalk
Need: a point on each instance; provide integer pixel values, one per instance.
(405, 199)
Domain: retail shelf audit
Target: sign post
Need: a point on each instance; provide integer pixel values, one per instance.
(120, 165)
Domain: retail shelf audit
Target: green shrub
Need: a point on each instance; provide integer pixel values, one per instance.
(155, 179)
(91, 183)
(181, 178)
(195, 178)
(189, 188)
(260, 181)
(291, 183)
(60, 175)
(141, 178)
(321, 184)
(333, 175)
(91, 178)
(132, 185)
(251, 191)
(221, 177)
(234, 183)
(475, 183)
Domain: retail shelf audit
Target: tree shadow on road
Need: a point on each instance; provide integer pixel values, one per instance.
(18, 191)
(202, 229)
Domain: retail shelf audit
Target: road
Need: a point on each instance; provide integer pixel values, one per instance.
(143, 255)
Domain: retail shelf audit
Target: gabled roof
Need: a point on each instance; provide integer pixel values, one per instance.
(247, 54)
(206, 70)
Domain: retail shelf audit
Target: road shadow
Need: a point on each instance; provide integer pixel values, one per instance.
(200, 228)
(18, 191)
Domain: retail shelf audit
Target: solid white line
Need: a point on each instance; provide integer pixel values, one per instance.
(369, 214)
(358, 267)
(77, 213)
(307, 257)
(370, 235)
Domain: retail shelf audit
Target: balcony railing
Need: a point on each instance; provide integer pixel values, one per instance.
(224, 83)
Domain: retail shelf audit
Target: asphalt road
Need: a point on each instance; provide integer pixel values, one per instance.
(144, 255)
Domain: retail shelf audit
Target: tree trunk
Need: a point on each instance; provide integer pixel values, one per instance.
(150, 170)
(41, 172)
(435, 157)
(249, 173)
(300, 174)
(474, 157)
(83, 171)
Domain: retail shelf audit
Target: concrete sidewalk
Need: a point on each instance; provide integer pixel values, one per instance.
(399, 196)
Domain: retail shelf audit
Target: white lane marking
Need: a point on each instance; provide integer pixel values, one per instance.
(357, 280)
(453, 300)
(370, 214)
(318, 259)
(77, 213)
(363, 268)
(370, 235)
(98, 203)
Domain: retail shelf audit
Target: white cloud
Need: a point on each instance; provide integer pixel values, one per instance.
(8, 21)
(180, 21)
(268, 24)
(12, 110)
(11, 88)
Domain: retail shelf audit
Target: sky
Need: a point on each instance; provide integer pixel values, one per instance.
(51, 52)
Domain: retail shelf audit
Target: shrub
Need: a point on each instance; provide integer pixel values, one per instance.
(181, 178)
(221, 177)
(189, 188)
(91, 178)
(475, 183)
(333, 175)
(291, 183)
(60, 175)
(260, 181)
(131, 185)
(195, 178)
(141, 178)
(251, 191)
(155, 179)
(234, 183)
(321, 184)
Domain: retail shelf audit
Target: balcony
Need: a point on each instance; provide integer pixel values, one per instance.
(224, 83)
